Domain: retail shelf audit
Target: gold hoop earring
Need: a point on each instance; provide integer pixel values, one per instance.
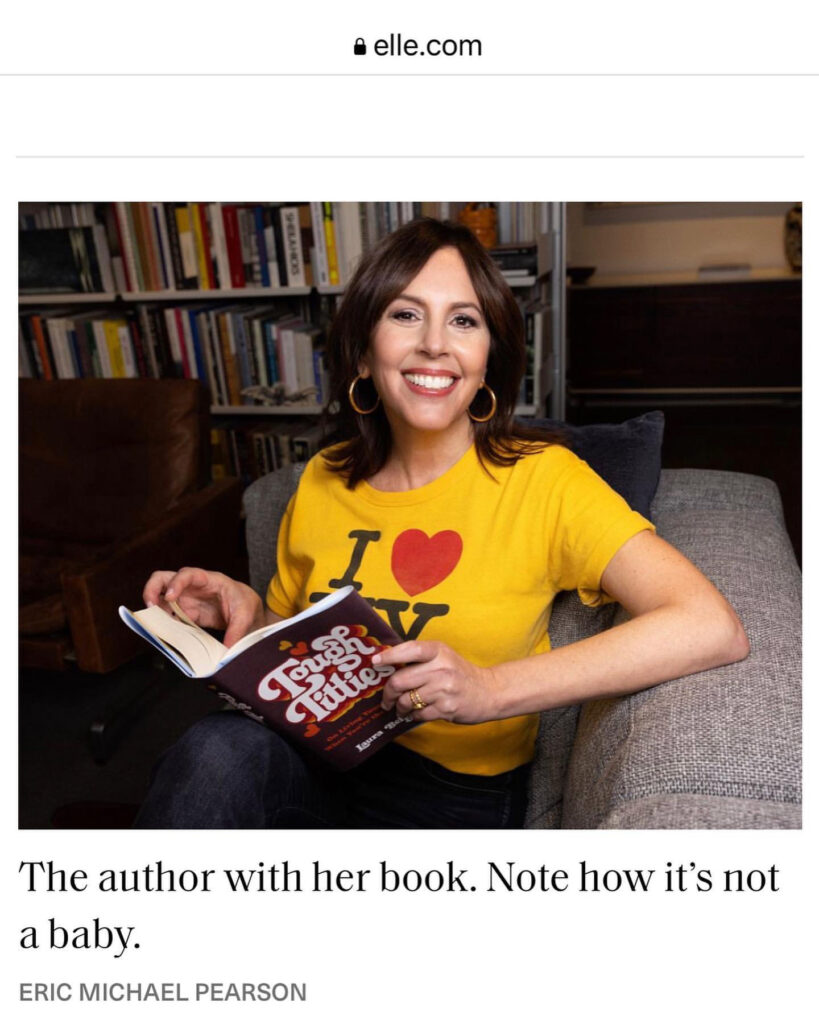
(358, 409)
(491, 413)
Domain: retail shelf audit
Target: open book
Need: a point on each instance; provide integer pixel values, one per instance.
(309, 677)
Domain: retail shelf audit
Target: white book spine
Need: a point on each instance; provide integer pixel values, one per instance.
(289, 372)
(217, 228)
(128, 357)
(61, 345)
(173, 338)
(353, 241)
(291, 235)
(103, 258)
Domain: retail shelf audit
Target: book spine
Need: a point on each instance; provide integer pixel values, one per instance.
(94, 349)
(103, 258)
(250, 247)
(81, 259)
(142, 226)
(126, 252)
(261, 244)
(154, 249)
(233, 246)
(103, 354)
(82, 329)
(112, 341)
(138, 346)
(270, 352)
(202, 254)
(281, 256)
(187, 246)
(165, 254)
(228, 347)
(195, 360)
(135, 231)
(243, 356)
(188, 364)
(330, 239)
(320, 243)
(202, 334)
(42, 347)
(127, 349)
(341, 242)
(73, 349)
(172, 234)
(222, 396)
(260, 356)
(288, 361)
(147, 330)
(220, 250)
(176, 340)
(196, 344)
(291, 232)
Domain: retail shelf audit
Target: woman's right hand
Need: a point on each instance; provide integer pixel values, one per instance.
(210, 599)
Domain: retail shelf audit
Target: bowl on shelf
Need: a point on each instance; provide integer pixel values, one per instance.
(579, 275)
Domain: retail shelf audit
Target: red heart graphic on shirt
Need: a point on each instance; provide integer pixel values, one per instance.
(299, 649)
(420, 562)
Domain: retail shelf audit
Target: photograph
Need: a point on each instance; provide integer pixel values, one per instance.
(410, 515)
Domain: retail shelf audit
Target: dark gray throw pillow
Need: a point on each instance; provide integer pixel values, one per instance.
(626, 455)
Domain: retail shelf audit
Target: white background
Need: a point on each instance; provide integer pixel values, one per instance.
(481, 956)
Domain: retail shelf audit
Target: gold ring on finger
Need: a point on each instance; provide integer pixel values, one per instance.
(417, 703)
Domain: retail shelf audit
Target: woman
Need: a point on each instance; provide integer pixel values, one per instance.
(459, 527)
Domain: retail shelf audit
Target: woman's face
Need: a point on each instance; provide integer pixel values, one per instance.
(429, 349)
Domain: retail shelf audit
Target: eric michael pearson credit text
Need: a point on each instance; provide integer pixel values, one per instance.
(164, 992)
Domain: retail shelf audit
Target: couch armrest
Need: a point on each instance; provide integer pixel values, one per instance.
(203, 529)
(719, 748)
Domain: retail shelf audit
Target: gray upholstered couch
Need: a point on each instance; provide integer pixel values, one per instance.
(721, 749)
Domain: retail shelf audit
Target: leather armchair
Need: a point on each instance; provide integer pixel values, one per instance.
(114, 483)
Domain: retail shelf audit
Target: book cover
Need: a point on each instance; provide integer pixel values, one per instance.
(48, 261)
(310, 678)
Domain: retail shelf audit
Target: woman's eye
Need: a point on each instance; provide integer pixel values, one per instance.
(404, 314)
(465, 321)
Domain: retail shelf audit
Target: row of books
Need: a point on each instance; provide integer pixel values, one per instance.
(249, 450)
(144, 247)
(242, 354)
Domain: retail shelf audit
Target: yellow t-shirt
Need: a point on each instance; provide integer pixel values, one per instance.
(469, 560)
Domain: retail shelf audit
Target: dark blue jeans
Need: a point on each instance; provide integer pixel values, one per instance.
(228, 771)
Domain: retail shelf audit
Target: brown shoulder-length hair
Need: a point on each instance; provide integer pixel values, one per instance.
(381, 276)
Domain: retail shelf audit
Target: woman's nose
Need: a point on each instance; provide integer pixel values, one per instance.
(434, 339)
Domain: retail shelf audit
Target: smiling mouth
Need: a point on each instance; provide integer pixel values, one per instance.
(430, 382)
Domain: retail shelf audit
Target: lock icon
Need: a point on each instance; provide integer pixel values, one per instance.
(360, 47)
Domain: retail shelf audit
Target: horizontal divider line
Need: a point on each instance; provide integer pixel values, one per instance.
(410, 156)
(409, 74)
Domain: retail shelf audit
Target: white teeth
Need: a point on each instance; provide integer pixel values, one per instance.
(422, 380)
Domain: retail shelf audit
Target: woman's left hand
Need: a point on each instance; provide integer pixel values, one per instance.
(449, 686)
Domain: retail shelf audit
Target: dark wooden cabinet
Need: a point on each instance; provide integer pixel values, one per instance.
(722, 360)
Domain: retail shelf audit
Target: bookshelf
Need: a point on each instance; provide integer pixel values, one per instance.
(129, 259)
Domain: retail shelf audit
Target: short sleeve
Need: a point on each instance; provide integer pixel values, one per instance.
(283, 588)
(589, 523)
